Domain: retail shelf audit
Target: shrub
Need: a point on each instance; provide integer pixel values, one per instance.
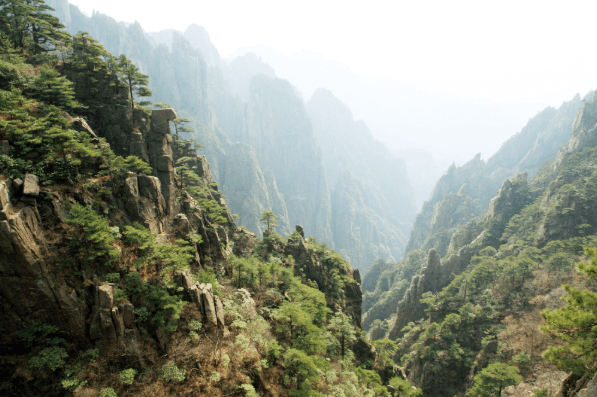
(170, 372)
(540, 392)
(108, 392)
(52, 357)
(127, 376)
(92, 354)
(195, 325)
(249, 390)
(215, 376)
(98, 234)
(112, 277)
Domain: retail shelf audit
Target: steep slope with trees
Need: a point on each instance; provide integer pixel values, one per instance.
(124, 275)
(482, 302)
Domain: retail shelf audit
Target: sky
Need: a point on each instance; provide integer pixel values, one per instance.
(513, 51)
(471, 68)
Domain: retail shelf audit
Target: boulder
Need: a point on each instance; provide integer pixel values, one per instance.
(118, 322)
(219, 312)
(105, 295)
(207, 304)
(81, 125)
(127, 311)
(160, 119)
(106, 325)
(590, 390)
(17, 185)
(31, 185)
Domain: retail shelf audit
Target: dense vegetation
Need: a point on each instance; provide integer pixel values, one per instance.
(282, 328)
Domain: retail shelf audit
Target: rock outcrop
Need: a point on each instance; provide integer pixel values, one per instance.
(209, 305)
(111, 321)
(27, 290)
(309, 266)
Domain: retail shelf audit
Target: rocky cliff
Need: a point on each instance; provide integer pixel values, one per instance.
(235, 103)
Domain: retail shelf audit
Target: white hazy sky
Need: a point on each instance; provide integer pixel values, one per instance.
(509, 51)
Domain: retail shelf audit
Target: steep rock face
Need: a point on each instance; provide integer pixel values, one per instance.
(453, 211)
(535, 144)
(309, 265)
(250, 190)
(361, 234)
(471, 174)
(280, 134)
(347, 145)
(512, 197)
(199, 39)
(584, 129)
(240, 73)
(27, 290)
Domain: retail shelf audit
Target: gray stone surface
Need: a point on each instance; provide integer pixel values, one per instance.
(31, 185)
(105, 294)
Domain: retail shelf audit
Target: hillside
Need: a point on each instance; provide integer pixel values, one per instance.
(124, 273)
(483, 300)
(230, 109)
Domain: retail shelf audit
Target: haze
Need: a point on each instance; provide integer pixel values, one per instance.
(449, 78)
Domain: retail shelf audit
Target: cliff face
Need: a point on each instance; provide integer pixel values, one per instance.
(244, 102)
(280, 134)
(33, 228)
(372, 199)
(536, 144)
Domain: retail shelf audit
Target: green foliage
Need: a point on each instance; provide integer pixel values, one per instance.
(522, 359)
(269, 219)
(246, 269)
(205, 276)
(404, 388)
(112, 277)
(575, 325)
(127, 376)
(248, 390)
(130, 75)
(302, 370)
(97, 234)
(28, 25)
(195, 325)
(52, 357)
(142, 314)
(170, 372)
(72, 378)
(492, 379)
(92, 354)
(179, 125)
(170, 257)
(107, 392)
(544, 392)
(341, 326)
(54, 89)
(36, 331)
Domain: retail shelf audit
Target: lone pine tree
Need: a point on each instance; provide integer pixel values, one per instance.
(269, 219)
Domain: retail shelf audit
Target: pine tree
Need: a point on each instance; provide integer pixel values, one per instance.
(342, 328)
(492, 380)
(28, 22)
(135, 80)
(268, 218)
(179, 125)
(575, 324)
(46, 30)
(54, 89)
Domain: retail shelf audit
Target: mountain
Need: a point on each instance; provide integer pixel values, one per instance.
(261, 143)
(372, 200)
(125, 275)
(473, 269)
